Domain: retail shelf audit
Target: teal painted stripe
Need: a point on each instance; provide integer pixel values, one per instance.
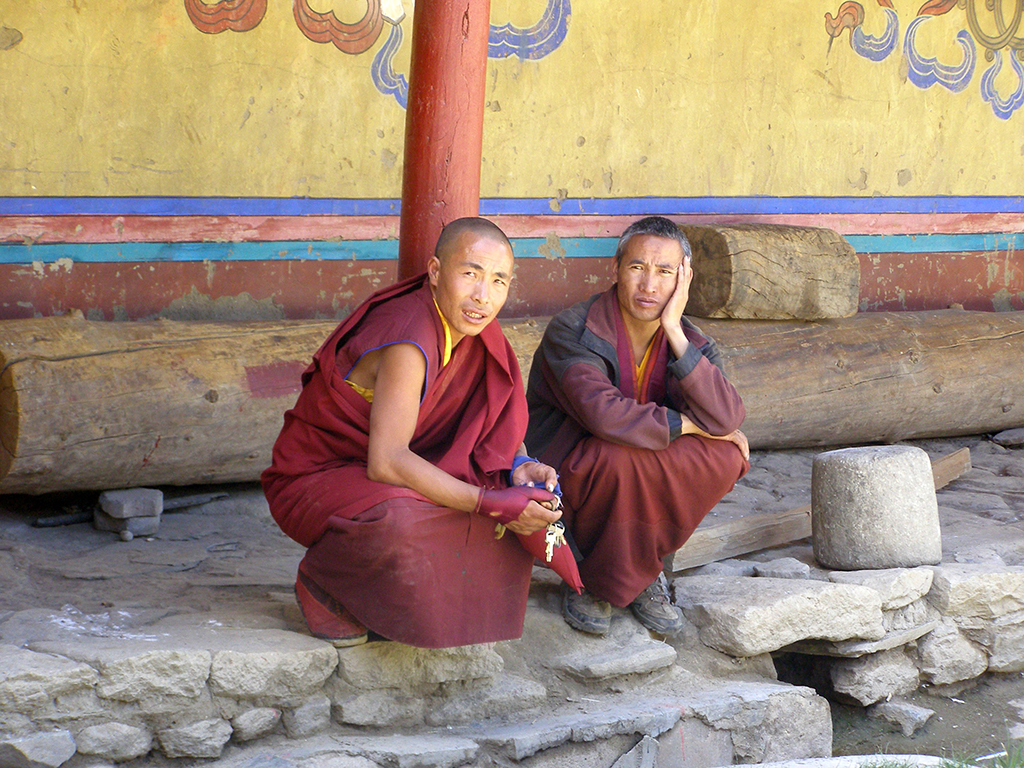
(387, 250)
(936, 243)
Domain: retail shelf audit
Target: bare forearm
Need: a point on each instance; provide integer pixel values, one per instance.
(405, 469)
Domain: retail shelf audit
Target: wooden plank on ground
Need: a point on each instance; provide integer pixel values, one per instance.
(753, 533)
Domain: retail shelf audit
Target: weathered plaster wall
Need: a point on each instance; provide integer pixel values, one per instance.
(148, 166)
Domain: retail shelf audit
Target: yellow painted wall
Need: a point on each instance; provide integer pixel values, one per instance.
(125, 97)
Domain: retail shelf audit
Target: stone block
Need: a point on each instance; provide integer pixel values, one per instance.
(1002, 638)
(522, 740)
(383, 707)
(153, 674)
(693, 744)
(254, 723)
(977, 590)
(632, 659)
(869, 679)
(114, 741)
(946, 656)
(402, 667)
(280, 677)
(203, 739)
(898, 587)
(747, 617)
(132, 502)
(767, 721)
(32, 680)
(909, 616)
(508, 694)
(136, 526)
(730, 567)
(41, 750)
(783, 568)
(909, 718)
(312, 717)
(874, 508)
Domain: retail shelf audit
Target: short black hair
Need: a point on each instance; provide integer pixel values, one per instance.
(658, 226)
(478, 226)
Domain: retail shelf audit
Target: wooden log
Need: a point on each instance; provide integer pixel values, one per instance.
(772, 272)
(877, 377)
(752, 533)
(86, 405)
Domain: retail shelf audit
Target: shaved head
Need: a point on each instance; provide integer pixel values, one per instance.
(470, 224)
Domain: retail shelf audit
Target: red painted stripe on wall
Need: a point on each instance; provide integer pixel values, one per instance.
(178, 229)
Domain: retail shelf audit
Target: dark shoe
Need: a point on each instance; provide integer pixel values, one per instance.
(326, 617)
(654, 609)
(585, 612)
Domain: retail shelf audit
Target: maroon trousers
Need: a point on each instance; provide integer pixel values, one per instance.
(628, 508)
(424, 575)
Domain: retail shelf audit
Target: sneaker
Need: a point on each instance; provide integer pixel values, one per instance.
(585, 612)
(326, 617)
(654, 609)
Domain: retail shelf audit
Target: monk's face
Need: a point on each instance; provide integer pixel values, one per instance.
(647, 276)
(471, 283)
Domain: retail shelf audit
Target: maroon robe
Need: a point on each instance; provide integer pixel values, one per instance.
(407, 569)
(633, 487)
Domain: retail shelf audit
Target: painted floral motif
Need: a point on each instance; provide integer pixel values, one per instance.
(506, 40)
(995, 31)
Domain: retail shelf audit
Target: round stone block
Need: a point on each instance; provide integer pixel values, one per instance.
(874, 508)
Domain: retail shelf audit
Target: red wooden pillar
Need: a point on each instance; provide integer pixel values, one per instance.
(443, 124)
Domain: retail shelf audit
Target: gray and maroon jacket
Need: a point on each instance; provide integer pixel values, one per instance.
(574, 386)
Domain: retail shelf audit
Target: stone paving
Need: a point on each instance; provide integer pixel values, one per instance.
(186, 648)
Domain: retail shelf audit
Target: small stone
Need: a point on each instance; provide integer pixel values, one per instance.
(137, 526)
(203, 739)
(312, 717)
(1010, 438)
(909, 717)
(41, 750)
(127, 535)
(132, 502)
(874, 508)
(783, 568)
(254, 723)
(869, 679)
(114, 741)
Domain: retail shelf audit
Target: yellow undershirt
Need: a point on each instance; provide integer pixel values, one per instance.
(638, 370)
(367, 394)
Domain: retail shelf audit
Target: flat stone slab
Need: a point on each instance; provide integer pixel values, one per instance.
(1010, 438)
(417, 751)
(852, 649)
(897, 586)
(747, 617)
(630, 659)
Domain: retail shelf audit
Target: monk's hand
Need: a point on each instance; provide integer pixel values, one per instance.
(738, 439)
(673, 311)
(518, 508)
(535, 474)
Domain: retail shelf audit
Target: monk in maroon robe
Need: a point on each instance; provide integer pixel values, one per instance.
(629, 402)
(393, 468)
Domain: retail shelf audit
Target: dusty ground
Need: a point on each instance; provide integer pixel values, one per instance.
(221, 557)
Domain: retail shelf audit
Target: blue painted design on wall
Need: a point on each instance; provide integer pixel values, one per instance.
(877, 48)
(1003, 108)
(925, 72)
(506, 40)
(383, 75)
(534, 42)
(498, 206)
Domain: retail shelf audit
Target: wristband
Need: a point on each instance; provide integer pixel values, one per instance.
(518, 461)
